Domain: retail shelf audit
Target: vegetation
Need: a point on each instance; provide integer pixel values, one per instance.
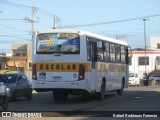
(154, 72)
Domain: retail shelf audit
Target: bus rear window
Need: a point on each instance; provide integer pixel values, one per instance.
(66, 43)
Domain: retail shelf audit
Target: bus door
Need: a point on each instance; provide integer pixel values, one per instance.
(93, 61)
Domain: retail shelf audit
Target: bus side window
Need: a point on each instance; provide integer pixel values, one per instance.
(106, 52)
(99, 51)
(112, 52)
(118, 53)
(88, 50)
(122, 54)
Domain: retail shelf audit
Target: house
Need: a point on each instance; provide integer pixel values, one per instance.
(20, 59)
(141, 64)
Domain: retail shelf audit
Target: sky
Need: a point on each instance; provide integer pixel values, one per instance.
(123, 19)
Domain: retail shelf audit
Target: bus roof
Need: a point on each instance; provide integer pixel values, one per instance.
(89, 34)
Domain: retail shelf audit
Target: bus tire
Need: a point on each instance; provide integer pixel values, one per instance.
(120, 91)
(101, 94)
(60, 95)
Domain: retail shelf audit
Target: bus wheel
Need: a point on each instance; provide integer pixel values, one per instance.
(101, 94)
(60, 95)
(120, 91)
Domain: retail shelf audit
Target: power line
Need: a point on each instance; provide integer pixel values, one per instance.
(13, 28)
(111, 22)
(16, 5)
(37, 9)
(45, 13)
(12, 19)
(16, 36)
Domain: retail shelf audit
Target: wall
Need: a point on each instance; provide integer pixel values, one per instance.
(140, 69)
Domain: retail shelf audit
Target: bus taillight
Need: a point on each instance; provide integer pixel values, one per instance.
(34, 72)
(81, 72)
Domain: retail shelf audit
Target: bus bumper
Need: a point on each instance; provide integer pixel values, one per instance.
(41, 86)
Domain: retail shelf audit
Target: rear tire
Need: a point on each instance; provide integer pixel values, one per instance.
(120, 91)
(101, 94)
(60, 95)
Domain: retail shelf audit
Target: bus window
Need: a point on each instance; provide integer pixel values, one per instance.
(106, 52)
(122, 54)
(99, 51)
(66, 43)
(112, 52)
(88, 50)
(118, 53)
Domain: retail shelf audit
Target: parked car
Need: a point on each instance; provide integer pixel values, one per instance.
(146, 77)
(30, 83)
(154, 77)
(17, 85)
(145, 80)
(134, 79)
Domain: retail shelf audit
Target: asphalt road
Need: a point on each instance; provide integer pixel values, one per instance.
(143, 98)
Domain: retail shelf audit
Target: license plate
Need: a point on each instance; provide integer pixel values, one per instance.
(57, 78)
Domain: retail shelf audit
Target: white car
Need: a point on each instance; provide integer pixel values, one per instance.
(134, 79)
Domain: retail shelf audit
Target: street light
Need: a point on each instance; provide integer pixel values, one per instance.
(145, 42)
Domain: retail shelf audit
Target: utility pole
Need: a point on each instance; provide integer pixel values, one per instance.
(145, 47)
(31, 20)
(54, 22)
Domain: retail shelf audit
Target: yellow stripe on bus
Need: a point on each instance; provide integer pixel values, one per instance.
(105, 67)
(61, 67)
(74, 67)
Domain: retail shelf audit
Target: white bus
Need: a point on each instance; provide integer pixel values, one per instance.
(78, 63)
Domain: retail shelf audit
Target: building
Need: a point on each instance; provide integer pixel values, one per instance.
(3, 60)
(16, 63)
(137, 59)
(20, 59)
(155, 43)
(19, 49)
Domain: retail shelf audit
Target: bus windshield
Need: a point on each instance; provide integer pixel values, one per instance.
(66, 43)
